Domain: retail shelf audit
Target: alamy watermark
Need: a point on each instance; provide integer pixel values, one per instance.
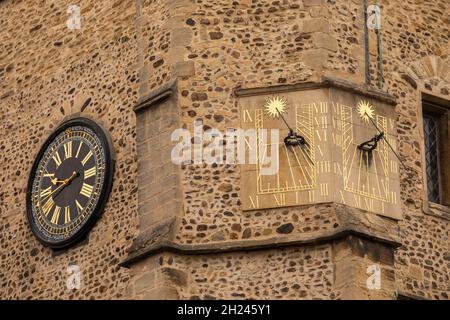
(374, 280)
(374, 17)
(73, 281)
(234, 146)
(74, 19)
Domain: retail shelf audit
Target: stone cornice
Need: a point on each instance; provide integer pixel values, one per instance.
(252, 245)
(156, 96)
(325, 82)
(157, 240)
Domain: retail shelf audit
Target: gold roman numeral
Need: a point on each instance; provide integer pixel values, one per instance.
(48, 206)
(90, 172)
(323, 166)
(79, 207)
(311, 194)
(86, 190)
(66, 214)
(281, 199)
(247, 116)
(57, 158)
(369, 204)
(55, 216)
(324, 189)
(357, 201)
(68, 150)
(254, 203)
(48, 175)
(86, 159)
(79, 148)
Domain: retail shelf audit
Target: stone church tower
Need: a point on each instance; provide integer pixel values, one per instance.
(337, 221)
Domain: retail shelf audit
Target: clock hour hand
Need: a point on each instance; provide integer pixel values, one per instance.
(71, 178)
(64, 183)
(56, 181)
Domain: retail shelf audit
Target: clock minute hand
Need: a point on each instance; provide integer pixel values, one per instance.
(58, 188)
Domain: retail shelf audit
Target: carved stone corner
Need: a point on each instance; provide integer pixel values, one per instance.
(374, 226)
(157, 96)
(149, 239)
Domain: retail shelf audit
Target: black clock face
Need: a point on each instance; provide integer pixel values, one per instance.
(69, 183)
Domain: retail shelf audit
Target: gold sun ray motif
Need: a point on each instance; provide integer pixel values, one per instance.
(275, 106)
(365, 110)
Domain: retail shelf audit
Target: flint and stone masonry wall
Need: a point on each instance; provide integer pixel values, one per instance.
(179, 232)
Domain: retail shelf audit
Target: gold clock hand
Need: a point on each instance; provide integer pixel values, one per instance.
(63, 184)
(49, 195)
(70, 179)
(55, 181)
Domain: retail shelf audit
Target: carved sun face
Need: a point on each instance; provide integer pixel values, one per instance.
(365, 110)
(275, 106)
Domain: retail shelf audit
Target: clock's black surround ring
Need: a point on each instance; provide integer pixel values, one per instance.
(106, 142)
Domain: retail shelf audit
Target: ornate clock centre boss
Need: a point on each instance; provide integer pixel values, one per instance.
(69, 183)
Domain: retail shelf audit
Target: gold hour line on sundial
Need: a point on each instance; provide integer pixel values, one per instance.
(394, 168)
(290, 166)
(57, 158)
(393, 197)
(87, 157)
(378, 180)
(66, 215)
(79, 148)
(347, 178)
(68, 149)
(301, 167)
(55, 216)
(90, 172)
(86, 190)
(385, 187)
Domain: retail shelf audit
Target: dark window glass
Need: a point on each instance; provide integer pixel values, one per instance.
(431, 133)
